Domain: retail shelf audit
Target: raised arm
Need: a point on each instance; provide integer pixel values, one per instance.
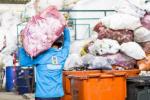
(24, 59)
(66, 44)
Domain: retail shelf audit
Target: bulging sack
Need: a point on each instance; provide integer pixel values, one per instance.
(121, 21)
(73, 61)
(146, 47)
(142, 35)
(145, 21)
(104, 46)
(147, 7)
(134, 50)
(42, 30)
(121, 60)
(100, 62)
(131, 7)
(120, 35)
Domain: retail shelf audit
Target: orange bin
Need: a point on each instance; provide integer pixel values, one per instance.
(98, 86)
(129, 73)
(67, 83)
(67, 97)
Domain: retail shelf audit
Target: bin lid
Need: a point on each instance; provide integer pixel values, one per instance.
(139, 79)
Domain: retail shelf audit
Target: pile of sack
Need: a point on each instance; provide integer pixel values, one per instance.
(123, 39)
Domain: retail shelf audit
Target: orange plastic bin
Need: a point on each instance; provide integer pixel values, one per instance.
(67, 97)
(98, 86)
(67, 83)
(129, 73)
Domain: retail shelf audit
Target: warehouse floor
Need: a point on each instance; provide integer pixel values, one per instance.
(13, 96)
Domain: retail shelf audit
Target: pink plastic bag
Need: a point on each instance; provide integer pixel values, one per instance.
(120, 35)
(42, 30)
(145, 21)
(146, 47)
(120, 59)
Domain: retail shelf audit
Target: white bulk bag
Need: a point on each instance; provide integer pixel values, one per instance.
(134, 50)
(73, 60)
(147, 7)
(105, 46)
(121, 21)
(142, 35)
(131, 7)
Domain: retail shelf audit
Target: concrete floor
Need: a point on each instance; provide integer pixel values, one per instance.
(14, 96)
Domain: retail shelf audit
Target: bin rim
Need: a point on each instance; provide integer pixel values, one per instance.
(70, 72)
(132, 70)
(97, 75)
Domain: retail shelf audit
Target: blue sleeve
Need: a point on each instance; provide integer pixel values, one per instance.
(66, 44)
(24, 59)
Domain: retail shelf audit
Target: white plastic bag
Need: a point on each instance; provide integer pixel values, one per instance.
(77, 46)
(131, 7)
(11, 40)
(42, 4)
(134, 50)
(100, 63)
(29, 10)
(104, 46)
(92, 50)
(2, 38)
(87, 59)
(73, 60)
(147, 7)
(142, 35)
(121, 21)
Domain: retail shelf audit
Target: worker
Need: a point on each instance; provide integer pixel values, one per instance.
(49, 67)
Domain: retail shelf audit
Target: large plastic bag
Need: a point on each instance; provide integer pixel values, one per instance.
(11, 40)
(122, 60)
(42, 30)
(145, 21)
(144, 64)
(120, 35)
(134, 50)
(137, 3)
(78, 45)
(132, 7)
(100, 63)
(87, 59)
(96, 62)
(146, 47)
(147, 7)
(104, 46)
(29, 10)
(42, 4)
(73, 61)
(121, 21)
(9, 19)
(8, 29)
(142, 35)
(2, 40)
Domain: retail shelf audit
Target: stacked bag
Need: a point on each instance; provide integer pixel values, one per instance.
(123, 39)
(130, 26)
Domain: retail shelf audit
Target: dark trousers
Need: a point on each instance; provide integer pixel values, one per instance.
(47, 98)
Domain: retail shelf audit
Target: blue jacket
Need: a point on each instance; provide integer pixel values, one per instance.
(49, 66)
